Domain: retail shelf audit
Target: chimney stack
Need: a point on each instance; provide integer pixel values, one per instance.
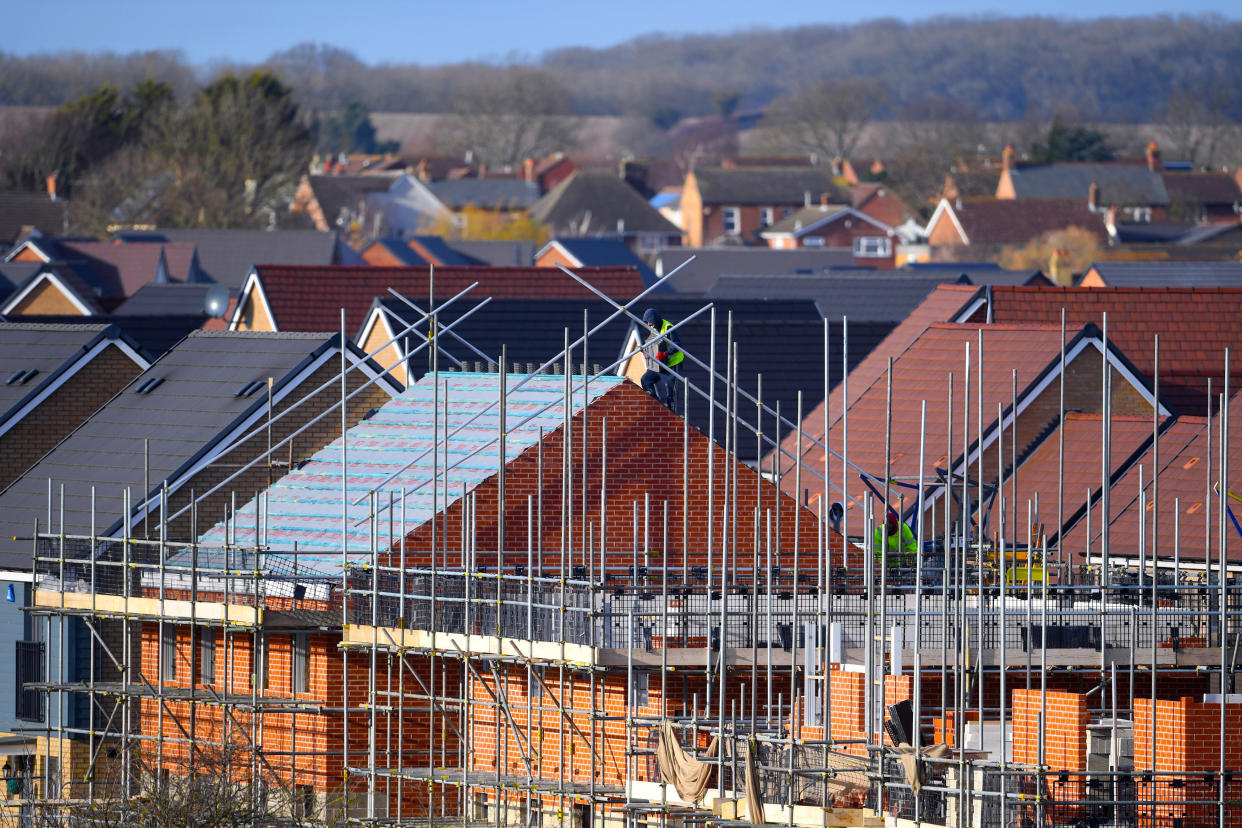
(823, 199)
(1093, 197)
(1007, 157)
(51, 186)
(1153, 157)
(528, 169)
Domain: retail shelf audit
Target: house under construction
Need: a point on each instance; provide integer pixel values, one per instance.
(542, 598)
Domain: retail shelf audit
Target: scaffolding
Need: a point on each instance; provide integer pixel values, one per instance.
(451, 676)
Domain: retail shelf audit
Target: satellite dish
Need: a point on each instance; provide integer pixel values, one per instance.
(216, 302)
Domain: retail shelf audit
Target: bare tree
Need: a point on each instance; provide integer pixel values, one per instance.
(506, 117)
(1201, 121)
(826, 117)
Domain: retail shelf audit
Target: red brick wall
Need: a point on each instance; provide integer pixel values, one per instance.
(1065, 729)
(645, 456)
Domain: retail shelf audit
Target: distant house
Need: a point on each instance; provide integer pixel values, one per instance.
(1163, 274)
(22, 212)
(1214, 197)
(596, 204)
(835, 225)
(577, 253)
(546, 173)
(733, 206)
(987, 224)
(1137, 191)
(413, 251)
(225, 256)
(497, 195)
(371, 205)
(85, 276)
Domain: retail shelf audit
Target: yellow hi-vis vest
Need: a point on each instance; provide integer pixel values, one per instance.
(676, 357)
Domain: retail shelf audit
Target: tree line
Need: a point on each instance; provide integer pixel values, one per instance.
(998, 69)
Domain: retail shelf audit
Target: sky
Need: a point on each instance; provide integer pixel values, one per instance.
(430, 32)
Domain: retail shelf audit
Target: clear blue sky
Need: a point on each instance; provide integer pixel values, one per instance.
(443, 31)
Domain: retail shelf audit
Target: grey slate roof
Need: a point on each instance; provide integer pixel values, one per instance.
(710, 263)
(1120, 184)
(598, 203)
(171, 298)
(226, 256)
(13, 274)
(195, 406)
(496, 253)
(488, 193)
(768, 187)
(18, 210)
(43, 349)
(874, 296)
(1170, 274)
(154, 333)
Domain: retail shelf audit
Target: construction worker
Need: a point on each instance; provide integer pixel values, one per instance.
(661, 351)
(903, 548)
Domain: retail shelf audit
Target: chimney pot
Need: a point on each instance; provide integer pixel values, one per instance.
(1093, 196)
(1007, 157)
(1153, 157)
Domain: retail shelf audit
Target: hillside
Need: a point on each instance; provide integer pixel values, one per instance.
(994, 69)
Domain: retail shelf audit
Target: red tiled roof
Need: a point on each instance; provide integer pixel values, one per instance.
(1195, 327)
(1017, 221)
(1184, 463)
(1080, 470)
(880, 203)
(1202, 187)
(311, 298)
(941, 305)
(922, 373)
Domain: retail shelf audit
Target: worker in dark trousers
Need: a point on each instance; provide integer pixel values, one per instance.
(661, 351)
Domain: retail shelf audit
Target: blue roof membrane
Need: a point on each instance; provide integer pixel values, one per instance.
(399, 441)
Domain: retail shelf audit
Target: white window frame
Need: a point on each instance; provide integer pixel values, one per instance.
(812, 241)
(864, 249)
(767, 216)
(731, 216)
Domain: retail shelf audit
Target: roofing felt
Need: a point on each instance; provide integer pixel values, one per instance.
(226, 256)
(1170, 274)
(1195, 325)
(304, 507)
(155, 334)
(488, 193)
(768, 187)
(172, 298)
(1079, 468)
(709, 263)
(310, 298)
(1120, 184)
(590, 203)
(1184, 465)
(21, 210)
(1016, 221)
(31, 353)
(195, 405)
